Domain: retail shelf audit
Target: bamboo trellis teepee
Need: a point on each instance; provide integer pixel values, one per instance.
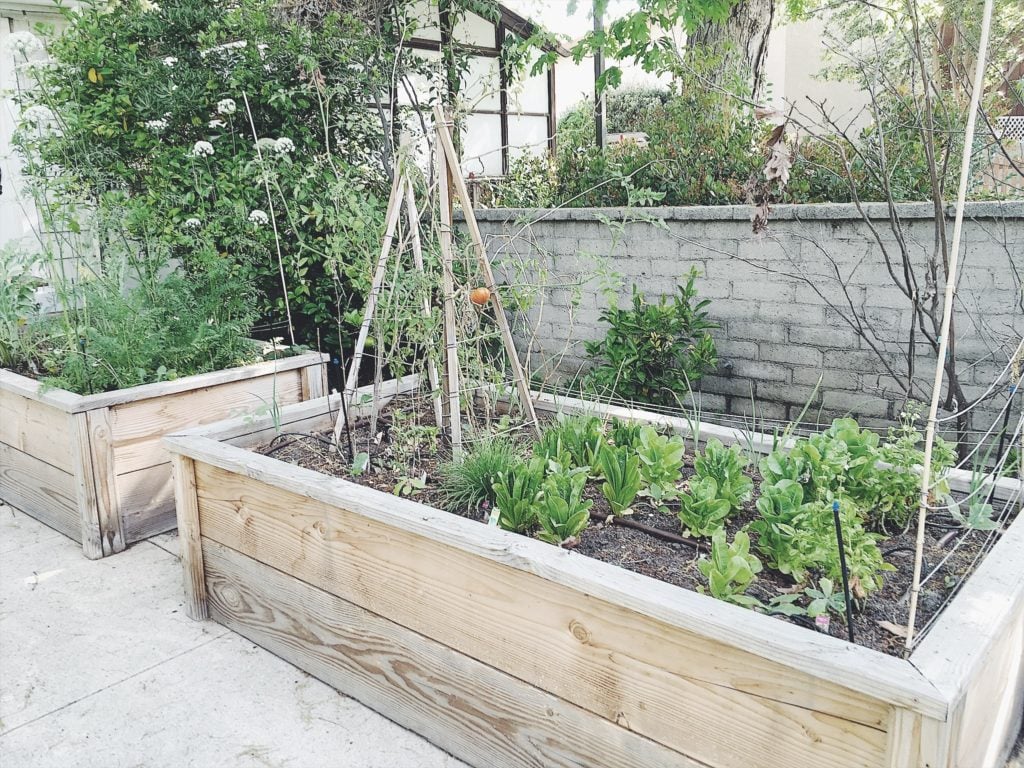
(449, 176)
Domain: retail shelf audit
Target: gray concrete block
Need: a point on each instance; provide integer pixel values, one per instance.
(792, 354)
(824, 338)
(830, 379)
(755, 331)
(760, 371)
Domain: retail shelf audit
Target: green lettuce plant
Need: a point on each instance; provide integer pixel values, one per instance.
(661, 463)
(620, 467)
(702, 511)
(562, 511)
(725, 466)
(516, 494)
(731, 569)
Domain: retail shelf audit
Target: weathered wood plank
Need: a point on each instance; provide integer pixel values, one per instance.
(615, 662)
(30, 484)
(108, 504)
(477, 713)
(314, 382)
(859, 669)
(139, 426)
(245, 430)
(147, 502)
(35, 428)
(189, 537)
(85, 486)
(201, 381)
(22, 385)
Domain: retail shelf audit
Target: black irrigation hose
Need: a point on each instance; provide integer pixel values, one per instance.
(675, 538)
(272, 449)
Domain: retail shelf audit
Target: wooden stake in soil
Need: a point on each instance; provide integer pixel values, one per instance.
(947, 316)
(394, 209)
(417, 257)
(448, 284)
(444, 139)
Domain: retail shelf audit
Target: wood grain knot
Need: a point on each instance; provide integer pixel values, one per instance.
(231, 597)
(580, 632)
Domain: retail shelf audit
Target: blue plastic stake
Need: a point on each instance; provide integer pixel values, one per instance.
(842, 565)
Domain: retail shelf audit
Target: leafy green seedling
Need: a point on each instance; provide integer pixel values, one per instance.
(562, 511)
(701, 511)
(621, 469)
(516, 493)
(726, 466)
(661, 463)
(731, 569)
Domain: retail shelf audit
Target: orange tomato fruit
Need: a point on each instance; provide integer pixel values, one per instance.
(479, 296)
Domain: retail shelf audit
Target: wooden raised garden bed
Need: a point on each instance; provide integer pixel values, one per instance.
(92, 466)
(506, 651)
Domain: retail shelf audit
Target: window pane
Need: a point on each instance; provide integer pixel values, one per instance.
(527, 135)
(480, 84)
(481, 145)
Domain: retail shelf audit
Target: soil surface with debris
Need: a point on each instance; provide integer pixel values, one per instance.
(878, 621)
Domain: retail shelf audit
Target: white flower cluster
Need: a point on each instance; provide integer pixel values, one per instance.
(38, 114)
(147, 6)
(24, 43)
(170, 61)
(156, 126)
(284, 146)
(216, 124)
(202, 149)
(226, 107)
(258, 217)
(193, 223)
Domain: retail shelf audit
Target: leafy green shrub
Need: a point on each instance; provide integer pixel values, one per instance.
(469, 481)
(562, 511)
(178, 326)
(725, 466)
(517, 493)
(661, 463)
(652, 353)
(152, 104)
(731, 568)
(18, 284)
(621, 469)
(702, 511)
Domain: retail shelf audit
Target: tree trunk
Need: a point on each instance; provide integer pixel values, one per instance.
(741, 41)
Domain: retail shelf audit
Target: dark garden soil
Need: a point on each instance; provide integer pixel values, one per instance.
(876, 620)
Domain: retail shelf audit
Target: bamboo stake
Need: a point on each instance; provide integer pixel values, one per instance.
(417, 257)
(448, 284)
(947, 314)
(455, 172)
(394, 209)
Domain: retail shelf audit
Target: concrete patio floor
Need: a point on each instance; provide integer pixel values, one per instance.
(100, 668)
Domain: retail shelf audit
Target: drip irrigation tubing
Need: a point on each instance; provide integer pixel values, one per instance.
(656, 532)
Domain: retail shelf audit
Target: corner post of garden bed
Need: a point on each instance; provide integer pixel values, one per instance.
(187, 502)
(85, 486)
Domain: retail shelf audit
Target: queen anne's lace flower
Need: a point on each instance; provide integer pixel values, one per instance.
(24, 43)
(226, 107)
(258, 217)
(38, 114)
(216, 124)
(156, 126)
(193, 223)
(202, 149)
(284, 146)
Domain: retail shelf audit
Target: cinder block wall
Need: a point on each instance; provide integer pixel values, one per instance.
(785, 300)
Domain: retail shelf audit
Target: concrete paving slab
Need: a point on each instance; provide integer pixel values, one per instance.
(70, 626)
(226, 703)
(100, 668)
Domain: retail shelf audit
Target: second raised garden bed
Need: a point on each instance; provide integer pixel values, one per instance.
(92, 467)
(509, 652)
